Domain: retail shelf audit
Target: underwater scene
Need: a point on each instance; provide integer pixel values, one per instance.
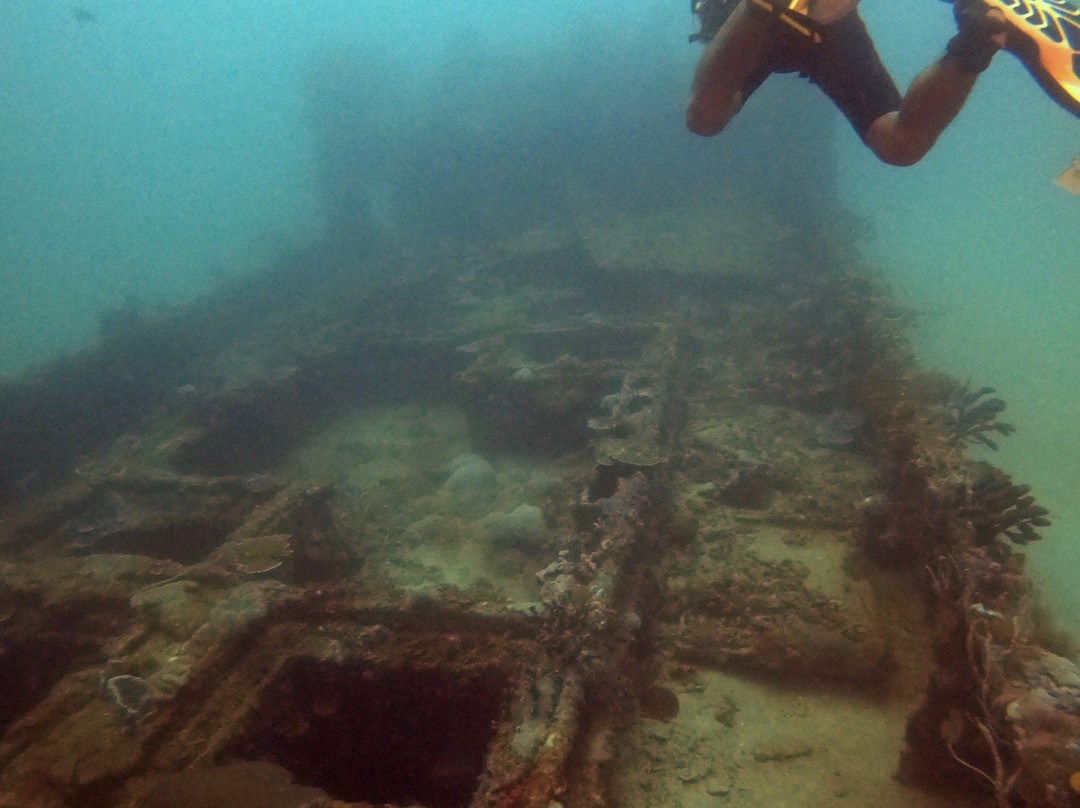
(400, 406)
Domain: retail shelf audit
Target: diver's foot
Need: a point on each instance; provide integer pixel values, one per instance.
(983, 31)
(1040, 33)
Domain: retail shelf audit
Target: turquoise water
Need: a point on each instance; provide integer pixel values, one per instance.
(149, 153)
(161, 146)
(144, 155)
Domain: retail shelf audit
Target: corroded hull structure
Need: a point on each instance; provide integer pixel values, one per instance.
(473, 536)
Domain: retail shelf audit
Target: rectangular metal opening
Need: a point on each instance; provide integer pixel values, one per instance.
(387, 736)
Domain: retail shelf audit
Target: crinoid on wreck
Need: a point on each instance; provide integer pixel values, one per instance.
(996, 506)
(971, 416)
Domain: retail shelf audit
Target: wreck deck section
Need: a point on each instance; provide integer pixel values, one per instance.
(470, 538)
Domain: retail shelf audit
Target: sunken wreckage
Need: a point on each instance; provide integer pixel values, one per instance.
(452, 539)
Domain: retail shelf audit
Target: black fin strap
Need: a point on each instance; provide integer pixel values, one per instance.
(973, 46)
(970, 52)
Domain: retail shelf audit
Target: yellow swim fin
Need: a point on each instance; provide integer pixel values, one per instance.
(1045, 36)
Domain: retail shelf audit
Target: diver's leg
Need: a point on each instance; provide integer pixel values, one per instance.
(903, 137)
(734, 55)
(938, 93)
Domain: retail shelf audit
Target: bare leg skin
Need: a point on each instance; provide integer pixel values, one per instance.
(899, 138)
(728, 61)
(903, 137)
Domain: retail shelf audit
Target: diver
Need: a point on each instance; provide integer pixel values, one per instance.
(827, 42)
